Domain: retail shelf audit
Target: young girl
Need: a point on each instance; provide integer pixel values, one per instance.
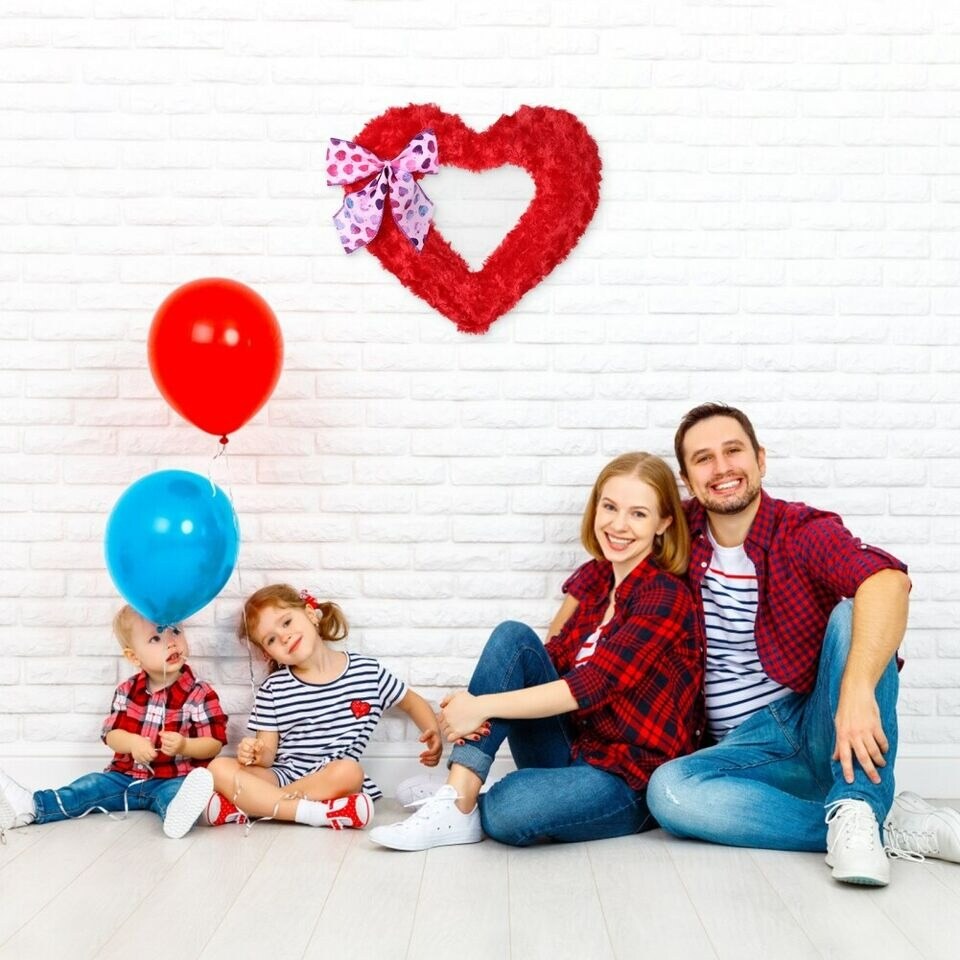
(591, 714)
(313, 715)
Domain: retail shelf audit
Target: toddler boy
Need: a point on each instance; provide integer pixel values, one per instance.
(164, 726)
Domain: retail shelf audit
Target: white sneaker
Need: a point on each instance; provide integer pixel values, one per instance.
(854, 849)
(438, 823)
(191, 800)
(419, 787)
(916, 829)
(17, 808)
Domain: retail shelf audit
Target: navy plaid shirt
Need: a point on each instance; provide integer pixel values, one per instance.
(806, 561)
(640, 691)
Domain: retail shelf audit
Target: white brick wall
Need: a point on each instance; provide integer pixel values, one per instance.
(778, 228)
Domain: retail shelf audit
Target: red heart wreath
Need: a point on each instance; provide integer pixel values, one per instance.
(553, 146)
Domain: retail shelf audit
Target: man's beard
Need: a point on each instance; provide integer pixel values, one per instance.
(727, 507)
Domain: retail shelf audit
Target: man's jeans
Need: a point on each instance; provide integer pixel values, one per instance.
(767, 782)
(105, 793)
(551, 796)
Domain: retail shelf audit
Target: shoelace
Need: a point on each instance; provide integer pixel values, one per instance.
(425, 812)
(913, 845)
(248, 826)
(93, 809)
(857, 826)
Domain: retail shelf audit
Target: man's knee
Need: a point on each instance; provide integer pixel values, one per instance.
(840, 624)
(839, 632)
(670, 795)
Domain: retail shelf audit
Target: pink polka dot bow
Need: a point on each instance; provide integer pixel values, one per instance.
(359, 219)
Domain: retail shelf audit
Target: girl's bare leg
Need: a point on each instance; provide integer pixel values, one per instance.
(255, 791)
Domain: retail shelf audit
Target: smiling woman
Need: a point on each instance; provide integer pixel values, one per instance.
(614, 693)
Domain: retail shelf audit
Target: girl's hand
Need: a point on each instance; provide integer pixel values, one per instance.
(249, 750)
(143, 751)
(172, 743)
(462, 718)
(434, 747)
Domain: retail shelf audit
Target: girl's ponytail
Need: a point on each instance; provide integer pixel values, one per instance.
(331, 622)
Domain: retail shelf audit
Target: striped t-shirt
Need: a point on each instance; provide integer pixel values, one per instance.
(736, 684)
(318, 722)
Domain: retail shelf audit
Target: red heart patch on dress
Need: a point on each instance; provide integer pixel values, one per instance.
(360, 708)
(553, 146)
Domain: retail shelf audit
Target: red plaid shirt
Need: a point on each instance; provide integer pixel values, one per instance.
(640, 692)
(807, 562)
(188, 706)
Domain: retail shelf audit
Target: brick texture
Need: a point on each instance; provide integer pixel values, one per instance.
(778, 228)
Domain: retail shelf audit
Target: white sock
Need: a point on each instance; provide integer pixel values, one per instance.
(313, 813)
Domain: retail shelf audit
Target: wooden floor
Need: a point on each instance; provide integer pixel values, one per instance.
(119, 889)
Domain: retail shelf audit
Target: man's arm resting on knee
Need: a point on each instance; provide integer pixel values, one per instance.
(879, 622)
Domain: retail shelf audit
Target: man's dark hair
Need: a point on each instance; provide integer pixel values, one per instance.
(704, 412)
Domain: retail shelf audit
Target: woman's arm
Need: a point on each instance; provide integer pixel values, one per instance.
(463, 713)
(566, 610)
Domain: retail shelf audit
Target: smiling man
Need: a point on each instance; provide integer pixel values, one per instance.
(801, 683)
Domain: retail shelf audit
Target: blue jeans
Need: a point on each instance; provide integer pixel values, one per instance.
(110, 791)
(767, 782)
(552, 796)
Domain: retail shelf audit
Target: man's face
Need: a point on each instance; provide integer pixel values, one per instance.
(720, 468)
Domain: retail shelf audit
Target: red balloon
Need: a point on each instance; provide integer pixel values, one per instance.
(215, 351)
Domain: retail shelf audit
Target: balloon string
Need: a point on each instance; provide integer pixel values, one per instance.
(246, 626)
(220, 453)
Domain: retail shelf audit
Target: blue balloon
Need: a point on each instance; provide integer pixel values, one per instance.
(171, 544)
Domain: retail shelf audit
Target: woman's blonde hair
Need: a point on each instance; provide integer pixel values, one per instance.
(671, 550)
(331, 622)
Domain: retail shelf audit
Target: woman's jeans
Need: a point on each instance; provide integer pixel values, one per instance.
(767, 782)
(105, 793)
(551, 796)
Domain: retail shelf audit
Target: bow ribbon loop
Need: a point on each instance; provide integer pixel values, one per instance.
(358, 220)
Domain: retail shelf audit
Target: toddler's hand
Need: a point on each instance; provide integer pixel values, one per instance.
(144, 751)
(434, 747)
(171, 742)
(248, 751)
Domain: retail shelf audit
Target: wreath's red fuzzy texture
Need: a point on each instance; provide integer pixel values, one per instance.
(553, 146)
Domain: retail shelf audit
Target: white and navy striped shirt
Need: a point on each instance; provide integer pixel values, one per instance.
(326, 721)
(736, 684)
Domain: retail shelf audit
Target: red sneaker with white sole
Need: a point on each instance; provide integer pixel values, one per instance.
(353, 812)
(220, 810)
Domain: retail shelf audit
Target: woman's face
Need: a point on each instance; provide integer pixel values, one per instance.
(627, 520)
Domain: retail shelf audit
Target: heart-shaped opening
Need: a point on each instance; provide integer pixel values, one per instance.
(558, 153)
(475, 211)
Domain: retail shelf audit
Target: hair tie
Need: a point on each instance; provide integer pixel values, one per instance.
(309, 600)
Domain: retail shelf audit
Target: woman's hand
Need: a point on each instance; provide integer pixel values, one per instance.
(249, 750)
(462, 717)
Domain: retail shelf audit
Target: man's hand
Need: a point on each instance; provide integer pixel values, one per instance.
(172, 743)
(434, 747)
(143, 751)
(859, 734)
(249, 750)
